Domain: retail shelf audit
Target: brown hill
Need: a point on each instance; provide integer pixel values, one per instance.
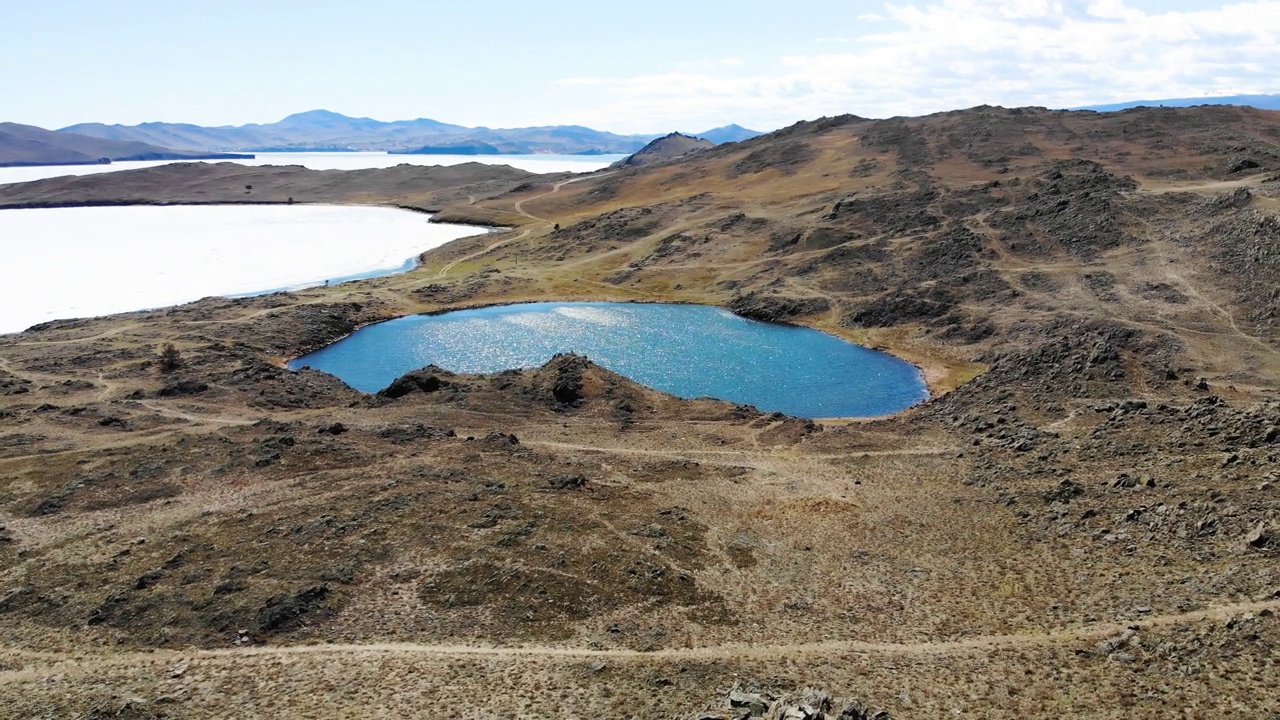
(30, 145)
(413, 186)
(1083, 522)
(668, 147)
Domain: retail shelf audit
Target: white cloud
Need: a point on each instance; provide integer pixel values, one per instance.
(958, 53)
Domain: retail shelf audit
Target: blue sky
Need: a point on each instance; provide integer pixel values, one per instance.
(634, 67)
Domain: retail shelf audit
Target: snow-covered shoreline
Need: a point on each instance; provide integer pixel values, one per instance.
(92, 261)
(333, 161)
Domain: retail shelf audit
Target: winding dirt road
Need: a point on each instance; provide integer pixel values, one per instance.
(44, 665)
(519, 210)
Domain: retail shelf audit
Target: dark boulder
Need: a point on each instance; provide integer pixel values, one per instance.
(426, 380)
(1242, 164)
(561, 378)
(334, 429)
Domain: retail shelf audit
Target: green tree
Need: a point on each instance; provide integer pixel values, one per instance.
(170, 358)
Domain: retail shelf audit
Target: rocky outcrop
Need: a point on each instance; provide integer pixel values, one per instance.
(777, 308)
(561, 379)
(426, 380)
(807, 704)
(1074, 207)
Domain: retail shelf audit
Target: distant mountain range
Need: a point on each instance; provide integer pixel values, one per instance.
(728, 134)
(24, 145)
(325, 130)
(561, 139)
(1265, 102)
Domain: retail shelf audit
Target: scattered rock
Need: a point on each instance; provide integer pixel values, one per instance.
(568, 482)
(416, 431)
(283, 612)
(183, 387)
(1111, 645)
(808, 704)
(1263, 537)
(753, 702)
(499, 440)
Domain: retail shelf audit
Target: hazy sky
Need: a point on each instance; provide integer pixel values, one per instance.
(628, 67)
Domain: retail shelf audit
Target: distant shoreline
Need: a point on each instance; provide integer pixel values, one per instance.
(135, 158)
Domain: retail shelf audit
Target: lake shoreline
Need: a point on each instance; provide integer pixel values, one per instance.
(312, 159)
(689, 350)
(83, 267)
(159, 157)
(942, 370)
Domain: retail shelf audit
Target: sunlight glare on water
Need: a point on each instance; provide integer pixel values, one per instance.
(686, 350)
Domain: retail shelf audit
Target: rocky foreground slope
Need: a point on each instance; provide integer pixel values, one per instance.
(1085, 521)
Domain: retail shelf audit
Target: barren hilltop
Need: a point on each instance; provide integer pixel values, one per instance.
(668, 147)
(1083, 521)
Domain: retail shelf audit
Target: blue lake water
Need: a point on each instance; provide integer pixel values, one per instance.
(686, 350)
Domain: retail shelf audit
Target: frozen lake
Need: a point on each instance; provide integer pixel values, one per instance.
(337, 161)
(82, 262)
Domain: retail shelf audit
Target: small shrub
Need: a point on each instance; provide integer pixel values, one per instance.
(170, 358)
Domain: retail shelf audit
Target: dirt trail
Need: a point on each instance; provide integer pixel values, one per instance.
(445, 270)
(198, 419)
(519, 210)
(8, 367)
(108, 388)
(735, 452)
(248, 317)
(1215, 308)
(42, 665)
(1158, 248)
(91, 338)
(1210, 186)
